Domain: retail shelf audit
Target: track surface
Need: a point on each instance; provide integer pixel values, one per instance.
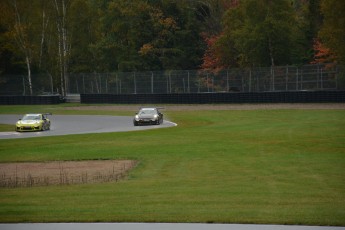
(79, 124)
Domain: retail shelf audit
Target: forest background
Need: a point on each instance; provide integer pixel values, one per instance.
(60, 37)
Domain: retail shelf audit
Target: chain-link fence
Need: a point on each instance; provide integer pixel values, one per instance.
(280, 78)
(41, 84)
(283, 78)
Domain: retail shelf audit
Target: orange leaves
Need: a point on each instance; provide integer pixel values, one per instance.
(322, 53)
(146, 49)
(212, 58)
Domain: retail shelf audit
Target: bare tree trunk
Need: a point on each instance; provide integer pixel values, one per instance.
(271, 51)
(63, 44)
(22, 42)
(27, 59)
(45, 21)
(60, 64)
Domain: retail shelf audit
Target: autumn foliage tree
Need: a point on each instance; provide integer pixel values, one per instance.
(323, 55)
(59, 37)
(212, 58)
(332, 33)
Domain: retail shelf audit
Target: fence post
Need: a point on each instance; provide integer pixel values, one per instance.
(242, 82)
(336, 76)
(227, 80)
(51, 83)
(167, 83)
(272, 78)
(99, 84)
(297, 78)
(301, 79)
(106, 82)
(188, 89)
(184, 85)
(151, 82)
(318, 77)
(250, 80)
(77, 86)
(170, 82)
(135, 84)
(23, 85)
(321, 79)
(199, 80)
(118, 84)
(286, 78)
(83, 83)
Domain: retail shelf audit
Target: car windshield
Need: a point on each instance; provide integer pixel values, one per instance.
(31, 117)
(147, 112)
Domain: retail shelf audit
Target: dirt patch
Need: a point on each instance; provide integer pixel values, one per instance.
(63, 172)
(199, 107)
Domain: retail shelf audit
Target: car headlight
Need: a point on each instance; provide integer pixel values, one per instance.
(136, 117)
(155, 116)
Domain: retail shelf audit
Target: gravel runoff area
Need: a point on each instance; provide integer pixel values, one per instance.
(31, 174)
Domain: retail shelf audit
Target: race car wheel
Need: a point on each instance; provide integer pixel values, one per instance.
(45, 127)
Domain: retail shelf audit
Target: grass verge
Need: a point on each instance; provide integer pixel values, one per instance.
(260, 166)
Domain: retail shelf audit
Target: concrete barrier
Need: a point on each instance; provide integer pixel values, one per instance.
(214, 98)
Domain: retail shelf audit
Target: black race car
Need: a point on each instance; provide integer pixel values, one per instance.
(150, 116)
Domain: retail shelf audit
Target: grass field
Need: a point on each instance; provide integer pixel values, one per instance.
(253, 166)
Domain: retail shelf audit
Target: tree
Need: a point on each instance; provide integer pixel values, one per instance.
(9, 53)
(212, 57)
(63, 40)
(21, 31)
(148, 35)
(83, 23)
(308, 19)
(258, 32)
(323, 54)
(332, 33)
(123, 24)
(176, 42)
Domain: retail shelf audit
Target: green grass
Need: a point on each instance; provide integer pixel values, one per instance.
(5, 127)
(264, 166)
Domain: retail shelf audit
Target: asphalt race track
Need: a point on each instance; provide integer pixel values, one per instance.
(79, 124)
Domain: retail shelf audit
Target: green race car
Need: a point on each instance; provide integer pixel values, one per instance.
(33, 122)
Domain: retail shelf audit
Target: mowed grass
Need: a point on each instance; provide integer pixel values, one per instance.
(263, 166)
